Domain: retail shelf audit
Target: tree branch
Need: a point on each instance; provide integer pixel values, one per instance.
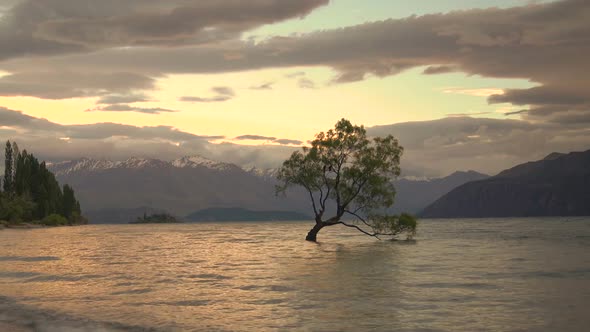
(315, 210)
(323, 202)
(376, 235)
(359, 217)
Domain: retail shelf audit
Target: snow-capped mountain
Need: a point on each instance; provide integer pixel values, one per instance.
(96, 165)
(199, 161)
(191, 183)
(266, 173)
(84, 164)
(135, 162)
(179, 187)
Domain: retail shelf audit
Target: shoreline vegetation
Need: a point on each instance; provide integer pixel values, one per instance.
(31, 197)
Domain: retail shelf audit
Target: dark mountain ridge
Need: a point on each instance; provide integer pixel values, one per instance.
(412, 196)
(558, 185)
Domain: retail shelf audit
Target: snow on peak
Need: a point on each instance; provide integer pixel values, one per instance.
(262, 172)
(136, 162)
(93, 165)
(84, 164)
(199, 161)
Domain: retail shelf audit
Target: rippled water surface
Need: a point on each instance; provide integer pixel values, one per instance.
(459, 275)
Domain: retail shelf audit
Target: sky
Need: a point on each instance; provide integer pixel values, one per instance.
(464, 84)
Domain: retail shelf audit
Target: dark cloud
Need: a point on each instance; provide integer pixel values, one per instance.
(224, 90)
(123, 99)
(515, 112)
(264, 86)
(543, 95)
(529, 42)
(32, 126)
(34, 27)
(129, 108)
(194, 99)
(434, 70)
(18, 119)
(224, 93)
(66, 84)
(255, 137)
(288, 141)
(281, 141)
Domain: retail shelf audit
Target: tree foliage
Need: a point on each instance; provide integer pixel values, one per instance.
(31, 191)
(8, 168)
(350, 175)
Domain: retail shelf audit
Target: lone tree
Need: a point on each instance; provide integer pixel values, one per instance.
(350, 175)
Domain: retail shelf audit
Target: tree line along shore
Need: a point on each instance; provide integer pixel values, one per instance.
(31, 196)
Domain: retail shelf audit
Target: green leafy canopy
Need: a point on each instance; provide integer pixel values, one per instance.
(346, 171)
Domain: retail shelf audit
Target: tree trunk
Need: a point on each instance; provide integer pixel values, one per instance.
(312, 235)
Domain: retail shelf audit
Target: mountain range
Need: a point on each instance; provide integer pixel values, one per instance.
(120, 191)
(180, 187)
(558, 185)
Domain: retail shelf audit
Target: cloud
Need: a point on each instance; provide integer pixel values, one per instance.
(31, 30)
(264, 86)
(515, 112)
(530, 42)
(194, 99)
(129, 108)
(224, 93)
(305, 83)
(281, 141)
(67, 84)
(118, 142)
(455, 115)
(546, 43)
(34, 27)
(434, 70)
(288, 142)
(295, 74)
(440, 147)
(432, 148)
(31, 126)
(481, 92)
(255, 137)
(123, 99)
(223, 90)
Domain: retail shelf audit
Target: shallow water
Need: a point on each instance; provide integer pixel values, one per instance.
(459, 275)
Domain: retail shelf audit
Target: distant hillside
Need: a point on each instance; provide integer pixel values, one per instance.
(121, 191)
(238, 214)
(414, 195)
(558, 185)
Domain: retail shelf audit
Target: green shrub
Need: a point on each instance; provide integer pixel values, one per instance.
(54, 220)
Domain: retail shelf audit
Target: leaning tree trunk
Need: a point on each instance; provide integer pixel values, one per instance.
(312, 235)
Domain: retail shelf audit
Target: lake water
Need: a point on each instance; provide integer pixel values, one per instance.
(459, 275)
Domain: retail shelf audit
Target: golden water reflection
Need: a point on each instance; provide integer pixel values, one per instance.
(458, 276)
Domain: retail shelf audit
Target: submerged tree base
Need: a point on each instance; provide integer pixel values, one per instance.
(313, 233)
